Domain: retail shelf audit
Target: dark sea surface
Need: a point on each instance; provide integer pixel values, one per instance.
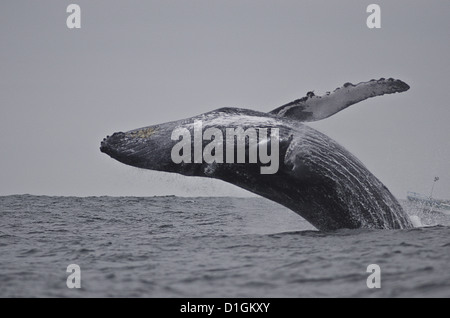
(208, 247)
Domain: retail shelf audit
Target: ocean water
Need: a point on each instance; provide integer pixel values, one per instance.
(208, 247)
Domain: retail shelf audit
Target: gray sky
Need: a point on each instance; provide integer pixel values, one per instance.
(137, 63)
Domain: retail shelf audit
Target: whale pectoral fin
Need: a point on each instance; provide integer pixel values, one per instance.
(313, 108)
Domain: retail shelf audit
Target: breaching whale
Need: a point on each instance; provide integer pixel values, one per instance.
(315, 177)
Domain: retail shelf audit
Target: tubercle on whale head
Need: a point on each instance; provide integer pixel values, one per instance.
(109, 143)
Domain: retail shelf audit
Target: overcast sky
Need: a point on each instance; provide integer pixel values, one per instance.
(138, 63)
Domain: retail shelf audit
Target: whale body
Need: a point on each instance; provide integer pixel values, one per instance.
(315, 176)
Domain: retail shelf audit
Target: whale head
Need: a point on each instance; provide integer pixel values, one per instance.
(141, 148)
(170, 146)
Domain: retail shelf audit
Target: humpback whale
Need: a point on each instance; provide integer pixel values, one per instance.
(316, 178)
